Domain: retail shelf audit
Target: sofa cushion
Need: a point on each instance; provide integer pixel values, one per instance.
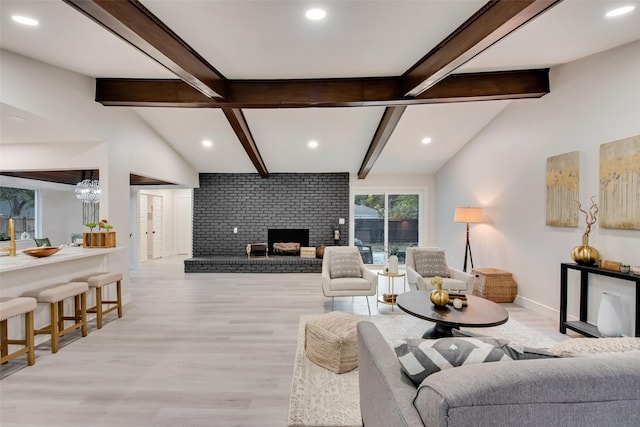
(527, 352)
(431, 263)
(345, 264)
(420, 358)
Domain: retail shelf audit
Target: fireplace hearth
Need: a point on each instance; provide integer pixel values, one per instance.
(287, 235)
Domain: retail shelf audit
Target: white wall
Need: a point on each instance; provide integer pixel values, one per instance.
(119, 141)
(592, 101)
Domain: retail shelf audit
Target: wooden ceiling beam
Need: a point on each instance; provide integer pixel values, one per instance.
(134, 23)
(385, 129)
(240, 126)
(323, 92)
(495, 20)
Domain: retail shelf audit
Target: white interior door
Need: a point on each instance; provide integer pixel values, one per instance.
(142, 228)
(157, 227)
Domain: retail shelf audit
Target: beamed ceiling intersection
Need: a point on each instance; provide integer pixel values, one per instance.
(429, 80)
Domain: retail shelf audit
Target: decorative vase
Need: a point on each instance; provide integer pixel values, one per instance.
(320, 251)
(439, 297)
(393, 264)
(609, 321)
(585, 254)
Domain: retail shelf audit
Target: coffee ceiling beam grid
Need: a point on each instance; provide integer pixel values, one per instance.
(131, 21)
(495, 20)
(388, 123)
(240, 126)
(323, 93)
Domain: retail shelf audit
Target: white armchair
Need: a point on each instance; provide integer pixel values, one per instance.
(436, 261)
(344, 274)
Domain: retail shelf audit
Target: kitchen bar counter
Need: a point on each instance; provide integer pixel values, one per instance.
(22, 273)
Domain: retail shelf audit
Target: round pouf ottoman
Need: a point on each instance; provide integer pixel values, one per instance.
(330, 341)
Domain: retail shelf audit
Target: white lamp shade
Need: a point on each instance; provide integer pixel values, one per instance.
(468, 215)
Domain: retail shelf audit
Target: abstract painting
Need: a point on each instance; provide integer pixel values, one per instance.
(562, 190)
(620, 184)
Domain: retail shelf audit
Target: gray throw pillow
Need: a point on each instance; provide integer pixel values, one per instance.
(431, 263)
(345, 264)
(421, 358)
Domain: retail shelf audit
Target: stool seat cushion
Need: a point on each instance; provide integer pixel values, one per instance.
(10, 307)
(57, 292)
(98, 280)
(331, 341)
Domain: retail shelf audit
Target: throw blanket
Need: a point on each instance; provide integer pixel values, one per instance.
(282, 247)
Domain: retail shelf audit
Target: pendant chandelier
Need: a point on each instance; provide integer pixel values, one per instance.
(88, 191)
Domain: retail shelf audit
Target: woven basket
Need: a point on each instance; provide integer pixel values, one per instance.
(494, 284)
(331, 341)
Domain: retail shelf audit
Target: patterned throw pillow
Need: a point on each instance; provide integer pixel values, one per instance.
(421, 358)
(345, 265)
(431, 263)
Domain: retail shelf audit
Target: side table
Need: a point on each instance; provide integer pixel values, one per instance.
(391, 277)
(494, 284)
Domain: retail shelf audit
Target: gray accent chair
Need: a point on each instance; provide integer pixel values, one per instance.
(458, 279)
(367, 285)
(578, 391)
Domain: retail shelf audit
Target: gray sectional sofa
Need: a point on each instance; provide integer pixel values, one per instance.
(544, 392)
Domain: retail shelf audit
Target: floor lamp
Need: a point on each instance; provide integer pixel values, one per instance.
(468, 215)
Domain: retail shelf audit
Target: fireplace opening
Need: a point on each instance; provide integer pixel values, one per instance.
(287, 235)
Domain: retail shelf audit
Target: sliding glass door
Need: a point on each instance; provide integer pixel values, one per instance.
(386, 224)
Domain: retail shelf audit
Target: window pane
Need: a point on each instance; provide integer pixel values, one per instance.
(369, 216)
(19, 204)
(403, 224)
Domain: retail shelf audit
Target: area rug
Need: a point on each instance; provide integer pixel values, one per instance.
(320, 397)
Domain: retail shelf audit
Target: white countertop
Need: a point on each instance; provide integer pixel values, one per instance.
(22, 261)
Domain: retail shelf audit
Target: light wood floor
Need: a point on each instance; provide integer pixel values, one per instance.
(191, 350)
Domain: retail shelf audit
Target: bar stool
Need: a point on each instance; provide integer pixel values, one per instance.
(11, 307)
(54, 295)
(98, 281)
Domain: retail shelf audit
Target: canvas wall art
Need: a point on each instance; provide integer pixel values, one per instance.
(562, 190)
(620, 184)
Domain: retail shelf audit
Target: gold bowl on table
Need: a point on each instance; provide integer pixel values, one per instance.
(42, 251)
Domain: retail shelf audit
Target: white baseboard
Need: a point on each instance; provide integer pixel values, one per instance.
(541, 309)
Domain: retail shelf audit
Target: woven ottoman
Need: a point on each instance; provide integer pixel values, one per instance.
(330, 341)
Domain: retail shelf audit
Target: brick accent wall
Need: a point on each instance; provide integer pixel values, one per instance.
(255, 204)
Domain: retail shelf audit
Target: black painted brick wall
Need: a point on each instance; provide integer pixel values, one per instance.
(255, 204)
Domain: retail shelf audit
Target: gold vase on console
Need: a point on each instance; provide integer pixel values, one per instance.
(585, 254)
(438, 297)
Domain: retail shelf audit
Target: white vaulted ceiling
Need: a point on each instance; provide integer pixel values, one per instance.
(272, 40)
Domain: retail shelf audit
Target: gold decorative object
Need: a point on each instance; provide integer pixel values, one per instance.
(438, 297)
(585, 254)
(43, 251)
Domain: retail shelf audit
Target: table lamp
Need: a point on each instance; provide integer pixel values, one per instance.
(468, 215)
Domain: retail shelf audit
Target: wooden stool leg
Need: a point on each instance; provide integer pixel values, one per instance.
(60, 316)
(54, 327)
(29, 341)
(83, 313)
(119, 289)
(4, 345)
(99, 307)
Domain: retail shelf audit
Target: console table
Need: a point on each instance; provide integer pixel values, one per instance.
(582, 326)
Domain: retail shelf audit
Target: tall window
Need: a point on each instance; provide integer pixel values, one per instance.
(386, 224)
(19, 204)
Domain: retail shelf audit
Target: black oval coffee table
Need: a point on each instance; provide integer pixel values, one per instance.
(479, 313)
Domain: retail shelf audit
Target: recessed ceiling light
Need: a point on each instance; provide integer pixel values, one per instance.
(620, 11)
(315, 14)
(207, 143)
(313, 144)
(25, 20)
(426, 140)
